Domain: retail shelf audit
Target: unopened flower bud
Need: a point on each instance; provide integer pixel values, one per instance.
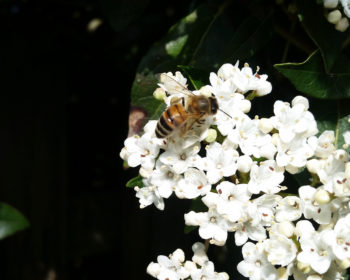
(304, 227)
(301, 100)
(159, 94)
(145, 173)
(245, 106)
(334, 16)
(199, 256)
(198, 247)
(330, 4)
(190, 266)
(205, 90)
(313, 165)
(226, 71)
(224, 275)
(344, 264)
(212, 134)
(342, 24)
(286, 228)
(322, 197)
(304, 267)
(93, 24)
(265, 125)
(244, 163)
(341, 155)
(178, 255)
(153, 269)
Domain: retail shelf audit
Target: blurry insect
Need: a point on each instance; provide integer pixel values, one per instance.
(183, 113)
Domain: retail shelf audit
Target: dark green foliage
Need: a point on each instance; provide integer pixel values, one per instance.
(11, 220)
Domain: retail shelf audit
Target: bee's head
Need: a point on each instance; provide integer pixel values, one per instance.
(213, 105)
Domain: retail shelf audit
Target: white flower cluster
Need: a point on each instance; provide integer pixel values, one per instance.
(175, 267)
(237, 165)
(335, 15)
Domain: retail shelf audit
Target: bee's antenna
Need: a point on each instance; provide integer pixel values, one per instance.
(225, 113)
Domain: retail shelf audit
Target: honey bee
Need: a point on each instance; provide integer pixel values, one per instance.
(183, 113)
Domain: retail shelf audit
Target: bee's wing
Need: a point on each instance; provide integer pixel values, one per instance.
(173, 86)
(191, 120)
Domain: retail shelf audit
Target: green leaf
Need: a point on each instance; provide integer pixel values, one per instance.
(249, 37)
(11, 220)
(332, 115)
(343, 125)
(204, 39)
(188, 229)
(323, 33)
(122, 12)
(310, 77)
(197, 77)
(135, 182)
(225, 42)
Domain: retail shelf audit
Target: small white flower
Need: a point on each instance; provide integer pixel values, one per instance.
(207, 272)
(168, 267)
(211, 225)
(325, 144)
(251, 139)
(316, 252)
(230, 200)
(266, 206)
(140, 150)
(255, 265)
(331, 170)
(235, 110)
(173, 85)
(280, 250)
(219, 162)
(339, 238)
(290, 121)
(247, 230)
(266, 177)
(194, 184)
(250, 225)
(294, 155)
(289, 209)
(149, 195)
(311, 209)
(180, 158)
(165, 179)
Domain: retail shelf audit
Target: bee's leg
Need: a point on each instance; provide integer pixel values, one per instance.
(176, 100)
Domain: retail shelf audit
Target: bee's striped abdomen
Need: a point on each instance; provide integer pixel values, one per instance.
(172, 118)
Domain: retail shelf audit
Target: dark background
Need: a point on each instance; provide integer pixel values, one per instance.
(64, 104)
(64, 116)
